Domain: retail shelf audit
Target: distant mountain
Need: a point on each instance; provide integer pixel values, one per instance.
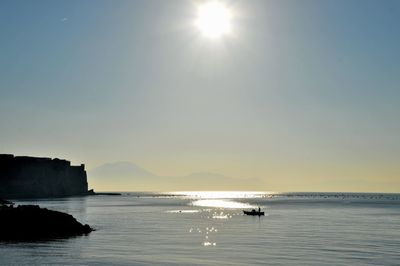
(126, 176)
(120, 169)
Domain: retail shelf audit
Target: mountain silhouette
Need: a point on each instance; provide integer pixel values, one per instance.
(120, 169)
(126, 176)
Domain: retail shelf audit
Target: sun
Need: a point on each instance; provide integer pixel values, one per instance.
(214, 19)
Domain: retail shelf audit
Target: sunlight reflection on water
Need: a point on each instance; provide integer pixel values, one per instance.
(183, 211)
(220, 203)
(221, 216)
(221, 194)
(301, 230)
(217, 207)
(208, 234)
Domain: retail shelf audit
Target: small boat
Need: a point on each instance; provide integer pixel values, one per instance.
(253, 212)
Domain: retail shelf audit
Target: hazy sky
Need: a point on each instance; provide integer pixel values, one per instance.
(302, 94)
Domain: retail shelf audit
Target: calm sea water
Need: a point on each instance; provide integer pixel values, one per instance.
(209, 229)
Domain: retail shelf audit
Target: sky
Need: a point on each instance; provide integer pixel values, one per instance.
(303, 95)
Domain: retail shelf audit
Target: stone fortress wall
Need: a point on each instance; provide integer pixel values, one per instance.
(33, 177)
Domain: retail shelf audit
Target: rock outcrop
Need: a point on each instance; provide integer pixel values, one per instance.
(32, 177)
(30, 222)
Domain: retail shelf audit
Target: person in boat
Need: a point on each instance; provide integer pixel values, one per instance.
(254, 212)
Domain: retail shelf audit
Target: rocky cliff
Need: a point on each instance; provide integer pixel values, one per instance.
(32, 177)
(31, 223)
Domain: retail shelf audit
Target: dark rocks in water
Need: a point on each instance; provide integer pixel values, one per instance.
(5, 202)
(107, 194)
(32, 177)
(30, 222)
(92, 193)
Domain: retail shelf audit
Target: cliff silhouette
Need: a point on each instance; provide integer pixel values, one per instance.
(30, 222)
(33, 177)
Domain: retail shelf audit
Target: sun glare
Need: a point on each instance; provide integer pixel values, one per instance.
(214, 19)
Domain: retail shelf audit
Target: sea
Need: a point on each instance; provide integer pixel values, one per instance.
(209, 228)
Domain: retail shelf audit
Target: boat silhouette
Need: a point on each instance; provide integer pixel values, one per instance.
(253, 212)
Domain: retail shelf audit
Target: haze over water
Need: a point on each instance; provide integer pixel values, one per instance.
(208, 228)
